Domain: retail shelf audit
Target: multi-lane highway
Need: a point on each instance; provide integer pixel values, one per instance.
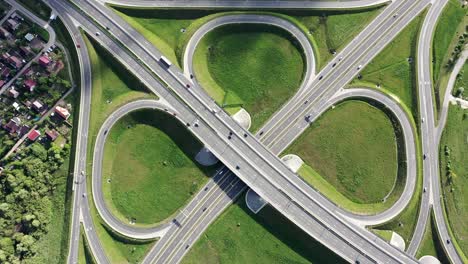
(249, 4)
(243, 154)
(430, 146)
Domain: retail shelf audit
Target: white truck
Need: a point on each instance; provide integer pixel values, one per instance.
(165, 61)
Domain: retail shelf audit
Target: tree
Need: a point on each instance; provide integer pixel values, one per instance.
(460, 91)
(39, 151)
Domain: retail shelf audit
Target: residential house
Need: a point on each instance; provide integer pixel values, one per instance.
(12, 93)
(4, 33)
(16, 106)
(26, 51)
(15, 62)
(12, 24)
(52, 134)
(30, 84)
(38, 106)
(5, 72)
(13, 125)
(23, 130)
(63, 112)
(34, 134)
(44, 61)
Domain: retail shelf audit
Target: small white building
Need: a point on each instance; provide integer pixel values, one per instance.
(29, 37)
(16, 106)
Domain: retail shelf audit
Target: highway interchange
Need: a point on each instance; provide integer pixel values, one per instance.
(285, 191)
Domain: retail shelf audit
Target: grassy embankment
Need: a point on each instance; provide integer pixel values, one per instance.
(239, 236)
(112, 86)
(353, 153)
(454, 174)
(462, 81)
(451, 24)
(38, 7)
(251, 66)
(149, 159)
(394, 69)
(430, 245)
(330, 30)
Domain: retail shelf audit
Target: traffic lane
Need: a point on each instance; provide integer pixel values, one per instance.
(340, 58)
(249, 4)
(337, 80)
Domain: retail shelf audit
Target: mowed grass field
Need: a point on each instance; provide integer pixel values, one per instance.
(394, 67)
(150, 162)
(112, 87)
(454, 162)
(239, 236)
(451, 24)
(330, 30)
(163, 28)
(256, 67)
(430, 245)
(353, 147)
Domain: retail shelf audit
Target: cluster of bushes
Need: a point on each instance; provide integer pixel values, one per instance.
(448, 167)
(26, 185)
(458, 49)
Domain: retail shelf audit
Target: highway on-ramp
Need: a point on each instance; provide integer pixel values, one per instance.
(430, 146)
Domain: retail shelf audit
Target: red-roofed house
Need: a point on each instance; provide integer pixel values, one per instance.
(44, 61)
(63, 112)
(33, 135)
(15, 62)
(30, 84)
(52, 134)
(5, 72)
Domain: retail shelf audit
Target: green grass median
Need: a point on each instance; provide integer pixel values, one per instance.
(353, 147)
(394, 68)
(454, 173)
(149, 170)
(256, 67)
(239, 236)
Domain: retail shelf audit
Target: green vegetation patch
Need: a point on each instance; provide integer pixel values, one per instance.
(353, 147)
(384, 234)
(461, 83)
(256, 67)
(239, 236)
(447, 46)
(150, 167)
(330, 30)
(37, 7)
(112, 87)
(454, 173)
(395, 67)
(430, 245)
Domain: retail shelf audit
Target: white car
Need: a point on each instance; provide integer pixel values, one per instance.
(359, 67)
